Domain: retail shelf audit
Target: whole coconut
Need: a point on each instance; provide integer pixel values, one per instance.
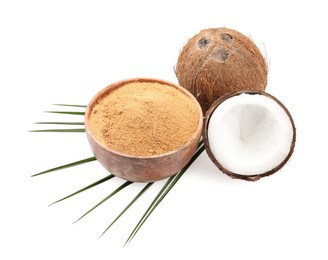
(217, 61)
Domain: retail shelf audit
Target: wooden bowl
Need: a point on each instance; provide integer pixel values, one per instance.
(143, 168)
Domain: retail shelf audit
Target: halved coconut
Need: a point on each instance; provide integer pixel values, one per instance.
(249, 134)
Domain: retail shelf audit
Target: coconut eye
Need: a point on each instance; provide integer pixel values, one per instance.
(226, 37)
(220, 54)
(203, 43)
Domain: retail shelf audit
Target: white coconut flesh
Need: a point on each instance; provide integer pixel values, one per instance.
(250, 134)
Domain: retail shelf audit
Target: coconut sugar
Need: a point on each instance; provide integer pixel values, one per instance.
(144, 119)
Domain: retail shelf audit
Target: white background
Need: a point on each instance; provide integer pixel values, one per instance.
(66, 51)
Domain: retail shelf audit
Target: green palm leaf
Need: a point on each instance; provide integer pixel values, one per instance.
(90, 159)
(66, 112)
(129, 205)
(125, 184)
(62, 130)
(108, 177)
(68, 105)
(163, 192)
(59, 123)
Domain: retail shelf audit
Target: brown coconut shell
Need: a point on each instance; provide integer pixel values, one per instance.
(217, 61)
(207, 145)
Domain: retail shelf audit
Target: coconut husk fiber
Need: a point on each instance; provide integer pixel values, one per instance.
(217, 61)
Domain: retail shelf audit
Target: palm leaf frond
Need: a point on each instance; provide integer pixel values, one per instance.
(129, 205)
(69, 105)
(108, 177)
(163, 192)
(62, 130)
(125, 184)
(59, 123)
(66, 112)
(90, 159)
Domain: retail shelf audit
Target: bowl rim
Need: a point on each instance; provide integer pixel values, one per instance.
(103, 92)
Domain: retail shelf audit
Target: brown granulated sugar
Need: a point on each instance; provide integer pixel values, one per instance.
(144, 119)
